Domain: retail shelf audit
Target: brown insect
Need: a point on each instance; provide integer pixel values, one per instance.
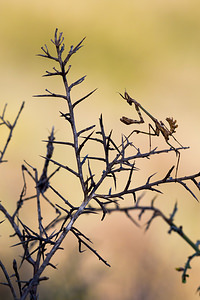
(159, 125)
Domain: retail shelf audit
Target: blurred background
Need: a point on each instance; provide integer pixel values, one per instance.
(149, 48)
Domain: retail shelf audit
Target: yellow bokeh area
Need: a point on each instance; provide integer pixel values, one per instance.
(149, 48)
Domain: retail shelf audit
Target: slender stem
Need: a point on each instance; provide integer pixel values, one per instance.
(149, 186)
(16, 230)
(8, 280)
(72, 119)
(56, 246)
(11, 127)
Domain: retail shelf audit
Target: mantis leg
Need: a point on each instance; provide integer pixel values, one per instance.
(178, 156)
(155, 132)
(176, 141)
(149, 133)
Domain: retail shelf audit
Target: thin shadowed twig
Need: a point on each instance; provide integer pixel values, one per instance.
(10, 128)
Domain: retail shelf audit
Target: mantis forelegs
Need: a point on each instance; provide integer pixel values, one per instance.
(159, 125)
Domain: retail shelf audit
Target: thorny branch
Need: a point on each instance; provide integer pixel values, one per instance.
(10, 127)
(40, 245)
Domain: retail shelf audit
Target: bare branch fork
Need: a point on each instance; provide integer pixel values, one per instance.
(10, 127)
(39, 246)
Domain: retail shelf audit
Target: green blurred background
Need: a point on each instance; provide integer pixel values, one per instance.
(151, 48)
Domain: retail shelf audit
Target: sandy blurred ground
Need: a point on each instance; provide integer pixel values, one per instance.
(151, 48)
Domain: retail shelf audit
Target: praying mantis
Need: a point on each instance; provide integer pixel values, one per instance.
(159, 125)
